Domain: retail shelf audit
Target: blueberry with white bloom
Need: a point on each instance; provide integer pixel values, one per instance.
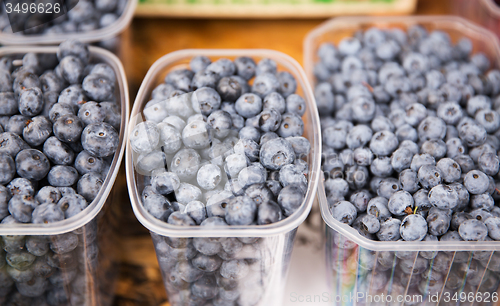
(413, 228)
(209, 176)
(144, 137)
(473, 230)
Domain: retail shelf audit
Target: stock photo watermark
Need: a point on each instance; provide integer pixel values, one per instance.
(356, 297)
(27, 14)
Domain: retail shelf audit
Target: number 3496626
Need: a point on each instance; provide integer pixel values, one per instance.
(40, 8)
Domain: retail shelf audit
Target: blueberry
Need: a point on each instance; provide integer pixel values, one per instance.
(248, 105)
(489, 163)
(471, 133)
(381, 166)
(288, 84)
(17, 123)
(84, 162)
(8, 168)
(58, 152)
(32, 164)
(62, 176)
(387, 187)
(292, 174)
(31, 101)
(71, 69)
(24, 81)
(37, 131)
(60, 109)
(37, 245)
(476, 182)
(74, 48)
(222, 67)
(187, 193)
(466, 163)
(473, 230)
(21, 207)
(401, 159)
(241, 211)
(413, 228)
(8, 104)
(438, 221)
(290, 198)
(157, 205)
(408, 180)
(455, 147)
(204, 78)
(276, 153)
(199, 63)
(197, 211)
(98, 87)
(209, 176)
(443, 197)
(21, 186)
(91, 112)
(245, 67)
(401, 203)
(492, 224)
(144, 137)
(484, 201)
(185, 164)
(429, 176)
(253, 174)
(165, 183)
(100, 139)
(450, 170)
(72, 205)
(206, 100)
(102, 68)
(68, 128)
(389, 230)
(89, 185)
(113, 114)
(383, 143)
(196, 135)
(291, 125)
(73, 96)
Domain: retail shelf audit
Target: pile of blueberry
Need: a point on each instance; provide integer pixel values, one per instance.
(411, 133)
(84, 16)
(58, 134)
(217, 151)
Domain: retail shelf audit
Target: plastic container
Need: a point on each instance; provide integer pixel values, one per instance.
(267, 249)
(366, 272)
(108, 34)
(85, 275)
(483, 12)
(273, 8)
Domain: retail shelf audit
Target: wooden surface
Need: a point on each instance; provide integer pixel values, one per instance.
(147, 40)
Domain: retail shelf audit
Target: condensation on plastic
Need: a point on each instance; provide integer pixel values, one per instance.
(82, 274)
(67, 225)
(266, 248)
(100, 34)
(353, 261)
(483, 12)
(180, 59)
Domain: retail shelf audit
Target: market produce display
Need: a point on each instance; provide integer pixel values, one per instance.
(221, 146)
(84, 16)
(410, 128)
(59, 123)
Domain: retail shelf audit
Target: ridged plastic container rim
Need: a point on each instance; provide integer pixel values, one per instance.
(281, 227)
(96, 205)
(438, 22)
(492, 7)
(90, 36)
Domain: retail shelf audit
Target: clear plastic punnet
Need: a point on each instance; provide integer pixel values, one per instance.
(361, 271)
(483, 12)
(76, 258)
(265, 249)
(107, 35)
